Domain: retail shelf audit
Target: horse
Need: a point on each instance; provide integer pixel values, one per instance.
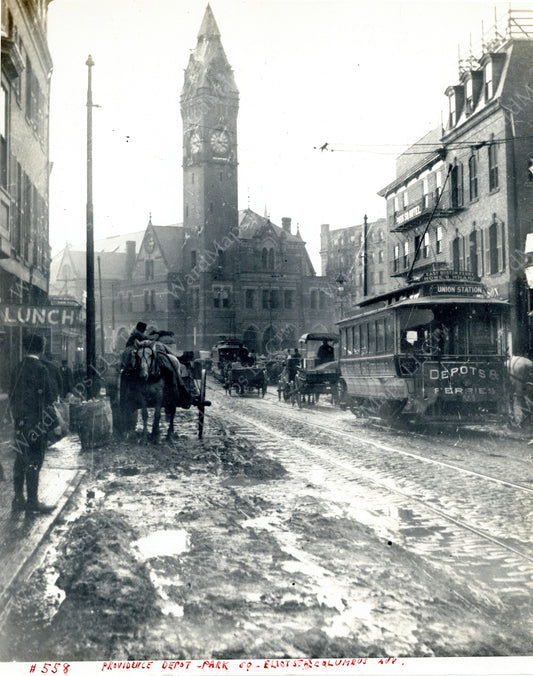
(521, 389)
(151, 378)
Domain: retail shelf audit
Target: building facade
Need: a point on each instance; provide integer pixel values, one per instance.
(463, 195)
(242, 275)
(355, 259)
(221, 272)
(24, 177)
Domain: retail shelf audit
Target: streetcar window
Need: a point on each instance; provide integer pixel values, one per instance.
(356, 340)
(380, 335)
(363, 335)
(484, 334)
(450, 330)
(389, 334)
(371, 337)
(349, 342)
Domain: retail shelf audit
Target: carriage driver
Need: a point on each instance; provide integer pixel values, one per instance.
(325, 352)
(137, 334)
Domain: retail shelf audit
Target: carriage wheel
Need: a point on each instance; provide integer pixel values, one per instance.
(201, 404)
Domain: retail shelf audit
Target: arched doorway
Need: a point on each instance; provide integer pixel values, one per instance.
(271, 342)
(250, 338)
(289, 339)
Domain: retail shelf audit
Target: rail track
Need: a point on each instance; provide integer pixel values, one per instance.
(493, 512)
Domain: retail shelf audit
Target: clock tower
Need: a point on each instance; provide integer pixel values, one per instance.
(209, 107)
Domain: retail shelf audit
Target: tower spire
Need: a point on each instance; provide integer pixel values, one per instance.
(209, 28)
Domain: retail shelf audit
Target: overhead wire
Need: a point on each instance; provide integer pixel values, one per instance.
(413, 150)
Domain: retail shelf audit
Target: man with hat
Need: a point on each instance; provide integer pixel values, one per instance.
(137, 334)
(31, 401)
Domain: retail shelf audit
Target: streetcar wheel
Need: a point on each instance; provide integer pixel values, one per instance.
(201, 404)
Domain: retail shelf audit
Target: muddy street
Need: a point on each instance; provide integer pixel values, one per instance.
(275, 537)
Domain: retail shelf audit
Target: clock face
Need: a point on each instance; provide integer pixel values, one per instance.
(220, 141)
(150, 244)
(195, 143)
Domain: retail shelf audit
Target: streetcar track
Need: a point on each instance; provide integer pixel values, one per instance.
(357, 473)
(249, 426)
(432, 461)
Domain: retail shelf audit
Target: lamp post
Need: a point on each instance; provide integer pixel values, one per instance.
(340, 290)
(90, 332)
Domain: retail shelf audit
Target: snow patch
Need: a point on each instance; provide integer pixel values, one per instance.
(163, 543)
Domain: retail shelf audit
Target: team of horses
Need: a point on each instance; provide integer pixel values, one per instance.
(152, 377)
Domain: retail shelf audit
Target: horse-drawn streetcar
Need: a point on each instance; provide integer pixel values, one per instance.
(433, 350)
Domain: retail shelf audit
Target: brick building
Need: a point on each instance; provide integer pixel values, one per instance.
(24, 179)
(222, 272)
(355, 259)
(463, 195)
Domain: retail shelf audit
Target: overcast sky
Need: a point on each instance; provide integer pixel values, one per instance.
(366, 77)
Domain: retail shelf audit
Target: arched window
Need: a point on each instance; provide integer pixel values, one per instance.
(271, 259)
(264, 259)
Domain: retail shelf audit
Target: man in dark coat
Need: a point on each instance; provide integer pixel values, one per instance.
(67, 379)
(54, 373)
(31, 401)
(325, 352)
(293, 361)
(137, 334)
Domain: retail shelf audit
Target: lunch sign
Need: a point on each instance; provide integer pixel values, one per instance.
(42, 316)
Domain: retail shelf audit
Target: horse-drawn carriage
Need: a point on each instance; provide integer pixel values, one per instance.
(237, 370)
(242, 379)
(150, 375)
(224, 354)
(316, 373)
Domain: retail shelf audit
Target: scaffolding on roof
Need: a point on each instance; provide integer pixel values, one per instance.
(513, 24)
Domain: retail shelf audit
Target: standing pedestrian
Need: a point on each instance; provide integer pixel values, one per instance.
(31, 402)
(67, 379)
(54, 374)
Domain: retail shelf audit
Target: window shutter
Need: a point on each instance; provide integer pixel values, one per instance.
(502, 248)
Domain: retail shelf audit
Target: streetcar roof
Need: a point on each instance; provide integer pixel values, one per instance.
(319, 336)
(424, 300)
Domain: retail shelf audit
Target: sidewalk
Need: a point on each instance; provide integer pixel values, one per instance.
(20, 533)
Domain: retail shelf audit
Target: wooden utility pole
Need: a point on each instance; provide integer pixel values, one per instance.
(365, 257)
(90, 302)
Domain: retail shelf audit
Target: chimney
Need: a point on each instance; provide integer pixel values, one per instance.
(130, 258)
(286, 224)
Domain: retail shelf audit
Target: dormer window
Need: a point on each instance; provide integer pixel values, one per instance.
(469, 96)
(453, 109)
(487, 74)
(456, 101)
